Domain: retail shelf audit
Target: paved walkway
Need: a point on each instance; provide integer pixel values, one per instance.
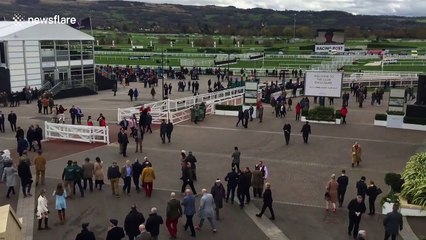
(298, 172)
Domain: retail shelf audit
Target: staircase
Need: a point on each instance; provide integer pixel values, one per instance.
(77, 88)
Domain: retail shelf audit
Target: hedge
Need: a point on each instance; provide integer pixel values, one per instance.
(415, 120)
(228, 107)
(399, 113)
(142, 49)
(337, 114)
(174, 50)
(386, 46)
(307, 47)
(381, 117)
(321, 113)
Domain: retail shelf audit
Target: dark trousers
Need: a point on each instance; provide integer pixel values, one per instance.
(344, 119)
(80, 187)
(100, 183)
(230, 191)
(257, 192)
(72, 120)
(169, 135)
(287, 138)
(267, 205)
(305, 138)
(10, 190)
(354, 224)
(388, 234)
(26, 188)
(341, 196)
(242, 196)
(163, 137)
(90, 180)
(136, 182)
(2, 126)
(149, 128)
(13, 126)
(240, 120)
(124, 149)
(127, 182)
(371, 205)
(247, 194)
(45, 111)
(297, 116)
(245, 123)
(189, 223)
(31, 145)
(191, 185)
(236, 164)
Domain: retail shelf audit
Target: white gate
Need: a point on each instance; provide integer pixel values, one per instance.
(77, 133)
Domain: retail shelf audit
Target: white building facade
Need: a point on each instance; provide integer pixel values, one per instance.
(37, 54)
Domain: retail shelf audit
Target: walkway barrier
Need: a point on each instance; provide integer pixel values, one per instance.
(77, 133)
(178, 110)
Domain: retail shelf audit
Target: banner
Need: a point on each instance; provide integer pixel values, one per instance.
(323, 84)
(328, 48)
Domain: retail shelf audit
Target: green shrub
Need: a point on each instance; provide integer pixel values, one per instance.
(307, 47)
(381, 117)
(394, 181)
(399, 113)
(390, 198)
(414, 176)
(305, 112)
(228, 107)
(148, 49)
(321, 113)
(174, 50)
(415, 120)
(337, 114)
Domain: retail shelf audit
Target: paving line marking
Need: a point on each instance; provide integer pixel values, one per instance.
(311, 135)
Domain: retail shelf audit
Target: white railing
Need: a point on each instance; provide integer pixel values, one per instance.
(77, 133)
(177, 110)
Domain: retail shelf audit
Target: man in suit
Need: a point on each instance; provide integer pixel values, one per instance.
(246, 118)
(188, 204)
(356, 208)
(343, 181)
(174, 211)
(287, 132)
(144, 235)
(306, 130)
(163, 130)
(123, 140)
(169, 130)
(12, 118)
(361, 188)
(392, 223)
(38, 136)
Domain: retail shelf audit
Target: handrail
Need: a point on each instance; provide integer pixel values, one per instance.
(78, 133)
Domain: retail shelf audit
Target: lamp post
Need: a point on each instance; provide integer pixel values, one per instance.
(227, 72)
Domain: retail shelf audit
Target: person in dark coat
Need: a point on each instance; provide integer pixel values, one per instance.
(22, 146)
(343, 181)
(372, 193)
(187, 179)
(218, 193)
(19, 133)
(73, 112)
(232, 179)
(163, 130)
(356, 208)
(393, 223)
(240, 117)
(169, 130)
(123, 140)
(132, 222)
(130, 94)
(148, 123)
(192, 160)
(243, 186)
(246, 118)
(136, 172)
(306, 130)
(24, 173)
(85, 234)
(251, 111)
(2, 122)
(12, 118)
(38, 136)
(115, 232)
(361, 188)
(189, 210)
(31, 137)
(267, 202)
(287, 132)
(153, 223)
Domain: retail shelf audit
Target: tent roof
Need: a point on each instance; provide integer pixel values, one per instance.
(36, 31)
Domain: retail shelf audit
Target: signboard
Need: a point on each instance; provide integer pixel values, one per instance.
(328, 48)
(330, 36)
(251, 92)
(396, 100)
(323, 84)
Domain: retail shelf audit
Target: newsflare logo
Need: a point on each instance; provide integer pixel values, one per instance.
(20, 18)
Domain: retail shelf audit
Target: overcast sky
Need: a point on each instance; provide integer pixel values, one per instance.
(365, 7)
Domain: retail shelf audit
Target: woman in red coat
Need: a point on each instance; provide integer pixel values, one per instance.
(298, 110)
(344, 112)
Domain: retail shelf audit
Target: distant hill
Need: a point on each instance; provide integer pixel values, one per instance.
(168, 18)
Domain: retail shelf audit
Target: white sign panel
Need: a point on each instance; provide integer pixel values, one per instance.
(328, 48)
(323, 84)
(251, 86)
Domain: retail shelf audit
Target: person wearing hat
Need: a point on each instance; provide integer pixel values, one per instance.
(68, 176)
(85, 234)
(115, 232)
(218, 193)
(132, 221)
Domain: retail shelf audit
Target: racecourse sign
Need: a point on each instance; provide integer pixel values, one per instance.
(323, 84)
(328, 48)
